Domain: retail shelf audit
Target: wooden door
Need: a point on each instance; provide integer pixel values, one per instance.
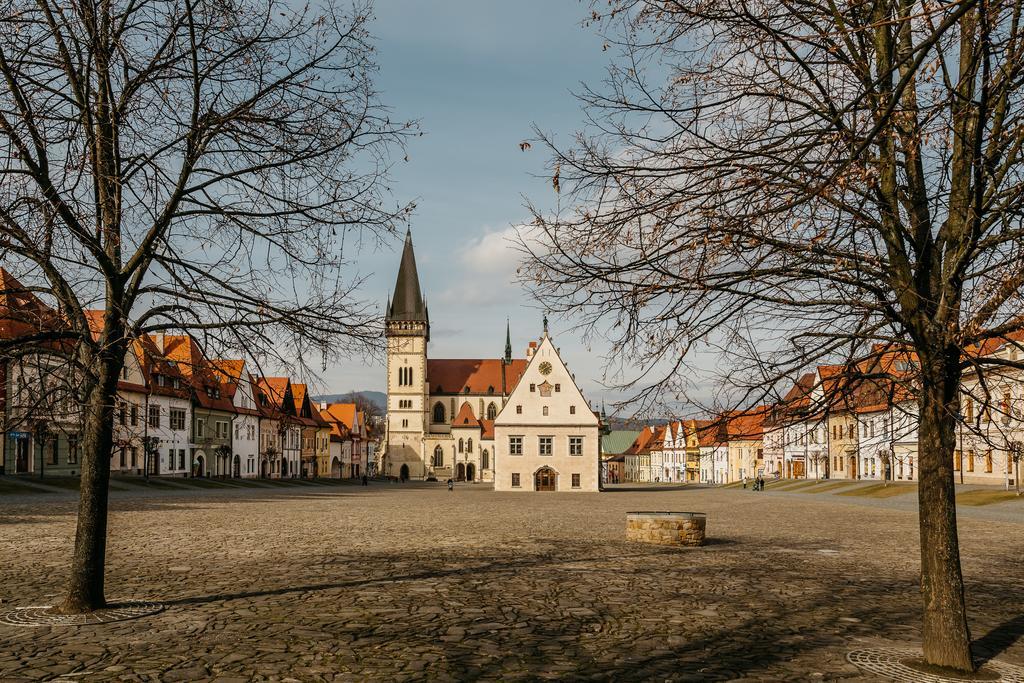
(545, 479)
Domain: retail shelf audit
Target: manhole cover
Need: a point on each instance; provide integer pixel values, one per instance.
(889, 663)
(45, 616)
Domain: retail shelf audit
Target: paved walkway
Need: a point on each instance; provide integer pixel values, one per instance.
(410, 582)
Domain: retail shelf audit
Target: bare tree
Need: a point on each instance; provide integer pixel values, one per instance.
(790, 183)
(198, 165)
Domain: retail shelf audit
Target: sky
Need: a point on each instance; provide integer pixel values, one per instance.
(477, 74)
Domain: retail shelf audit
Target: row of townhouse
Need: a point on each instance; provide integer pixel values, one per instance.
(714, 451)
(178, 413)
(861, 422)
(855, 421)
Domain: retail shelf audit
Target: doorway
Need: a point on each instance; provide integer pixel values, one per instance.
(403, 473)
(545, 479)
(470, 472)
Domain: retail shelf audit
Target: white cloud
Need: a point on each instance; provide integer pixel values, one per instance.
(483, 271)
(493, 253)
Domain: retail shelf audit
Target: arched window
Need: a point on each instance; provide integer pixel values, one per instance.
(469, 445)
(409, 377)
(438, 457)
(438, 412)
(545, 410)
(485, 460)
(401, 377)
(461, 445)
(492, 411)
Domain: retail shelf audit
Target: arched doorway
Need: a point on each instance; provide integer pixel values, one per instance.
(237, 470)
(263, 469)
(200, 470)
(460, 472)
(404, 473)
(284, 468)
(335, 469)
(545, 480)
(470, 471)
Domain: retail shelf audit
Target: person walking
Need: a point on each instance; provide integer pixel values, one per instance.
(365, 481)
(451, 484)
(744, 481)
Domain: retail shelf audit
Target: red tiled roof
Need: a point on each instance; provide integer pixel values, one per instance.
(473, 375)
(465, 418)
(746, 425)
(486, 430)
(21, 312)
(343, 413)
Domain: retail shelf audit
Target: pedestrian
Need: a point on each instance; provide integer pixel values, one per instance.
(744, 481)
(365, 481)
(451, 484)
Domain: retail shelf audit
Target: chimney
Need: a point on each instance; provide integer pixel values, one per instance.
(531, 349)
(323, 405)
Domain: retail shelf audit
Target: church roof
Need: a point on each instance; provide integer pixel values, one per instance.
(465, 418)
(408, 303)
(473, 375)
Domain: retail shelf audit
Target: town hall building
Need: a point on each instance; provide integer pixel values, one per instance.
(521, 423)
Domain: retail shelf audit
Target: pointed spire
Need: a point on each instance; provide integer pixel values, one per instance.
(407, 302)
(508, 342)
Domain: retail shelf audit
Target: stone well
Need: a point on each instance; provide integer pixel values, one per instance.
(666, 528)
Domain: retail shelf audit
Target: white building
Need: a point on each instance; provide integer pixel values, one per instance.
(547, 437)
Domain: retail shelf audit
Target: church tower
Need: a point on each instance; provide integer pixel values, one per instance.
(407, 329)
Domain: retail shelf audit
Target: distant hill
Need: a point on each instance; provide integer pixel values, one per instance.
(378, 398)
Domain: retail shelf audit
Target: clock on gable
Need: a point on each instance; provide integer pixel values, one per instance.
(544, 368)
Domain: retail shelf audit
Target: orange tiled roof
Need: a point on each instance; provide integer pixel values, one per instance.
(473, 375)
(465, 418)
(21, 311)
(486, 430)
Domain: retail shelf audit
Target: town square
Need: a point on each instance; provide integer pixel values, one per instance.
(458, 340)
(393, 582)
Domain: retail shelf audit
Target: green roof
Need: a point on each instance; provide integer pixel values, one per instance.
(617, 441)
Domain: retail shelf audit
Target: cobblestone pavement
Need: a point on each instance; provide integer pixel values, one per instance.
(413, 582)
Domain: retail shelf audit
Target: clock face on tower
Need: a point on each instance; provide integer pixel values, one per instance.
(545, 368)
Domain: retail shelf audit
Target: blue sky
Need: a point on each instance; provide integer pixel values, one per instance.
(477, 74)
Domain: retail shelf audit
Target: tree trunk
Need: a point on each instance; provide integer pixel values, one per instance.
(946, 637)
(85, 590)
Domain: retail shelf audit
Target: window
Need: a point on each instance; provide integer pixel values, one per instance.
(533, 387)
(135, 415)
(200, 426)
(122, 414)
(544, 445)
(575, 480)
(544, 410)
(461, 445)
(154, 417)
(485, 460)
(181, 459)
(135, 456)
(492, 411)
(1004, 408)
(170, 458)
(519, 410)
(54, 453)
(515, 480)
(572, 410)
(177, 420)
(515, 445)
(160, 380)
(438, 412)
(558, 387)
(469, 445)
(575, 445)
(956, 461)
(222, 429)
(405, 423)
(969, 410)
(438, 457)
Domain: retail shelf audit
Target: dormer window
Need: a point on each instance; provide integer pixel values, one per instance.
(160, 380)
